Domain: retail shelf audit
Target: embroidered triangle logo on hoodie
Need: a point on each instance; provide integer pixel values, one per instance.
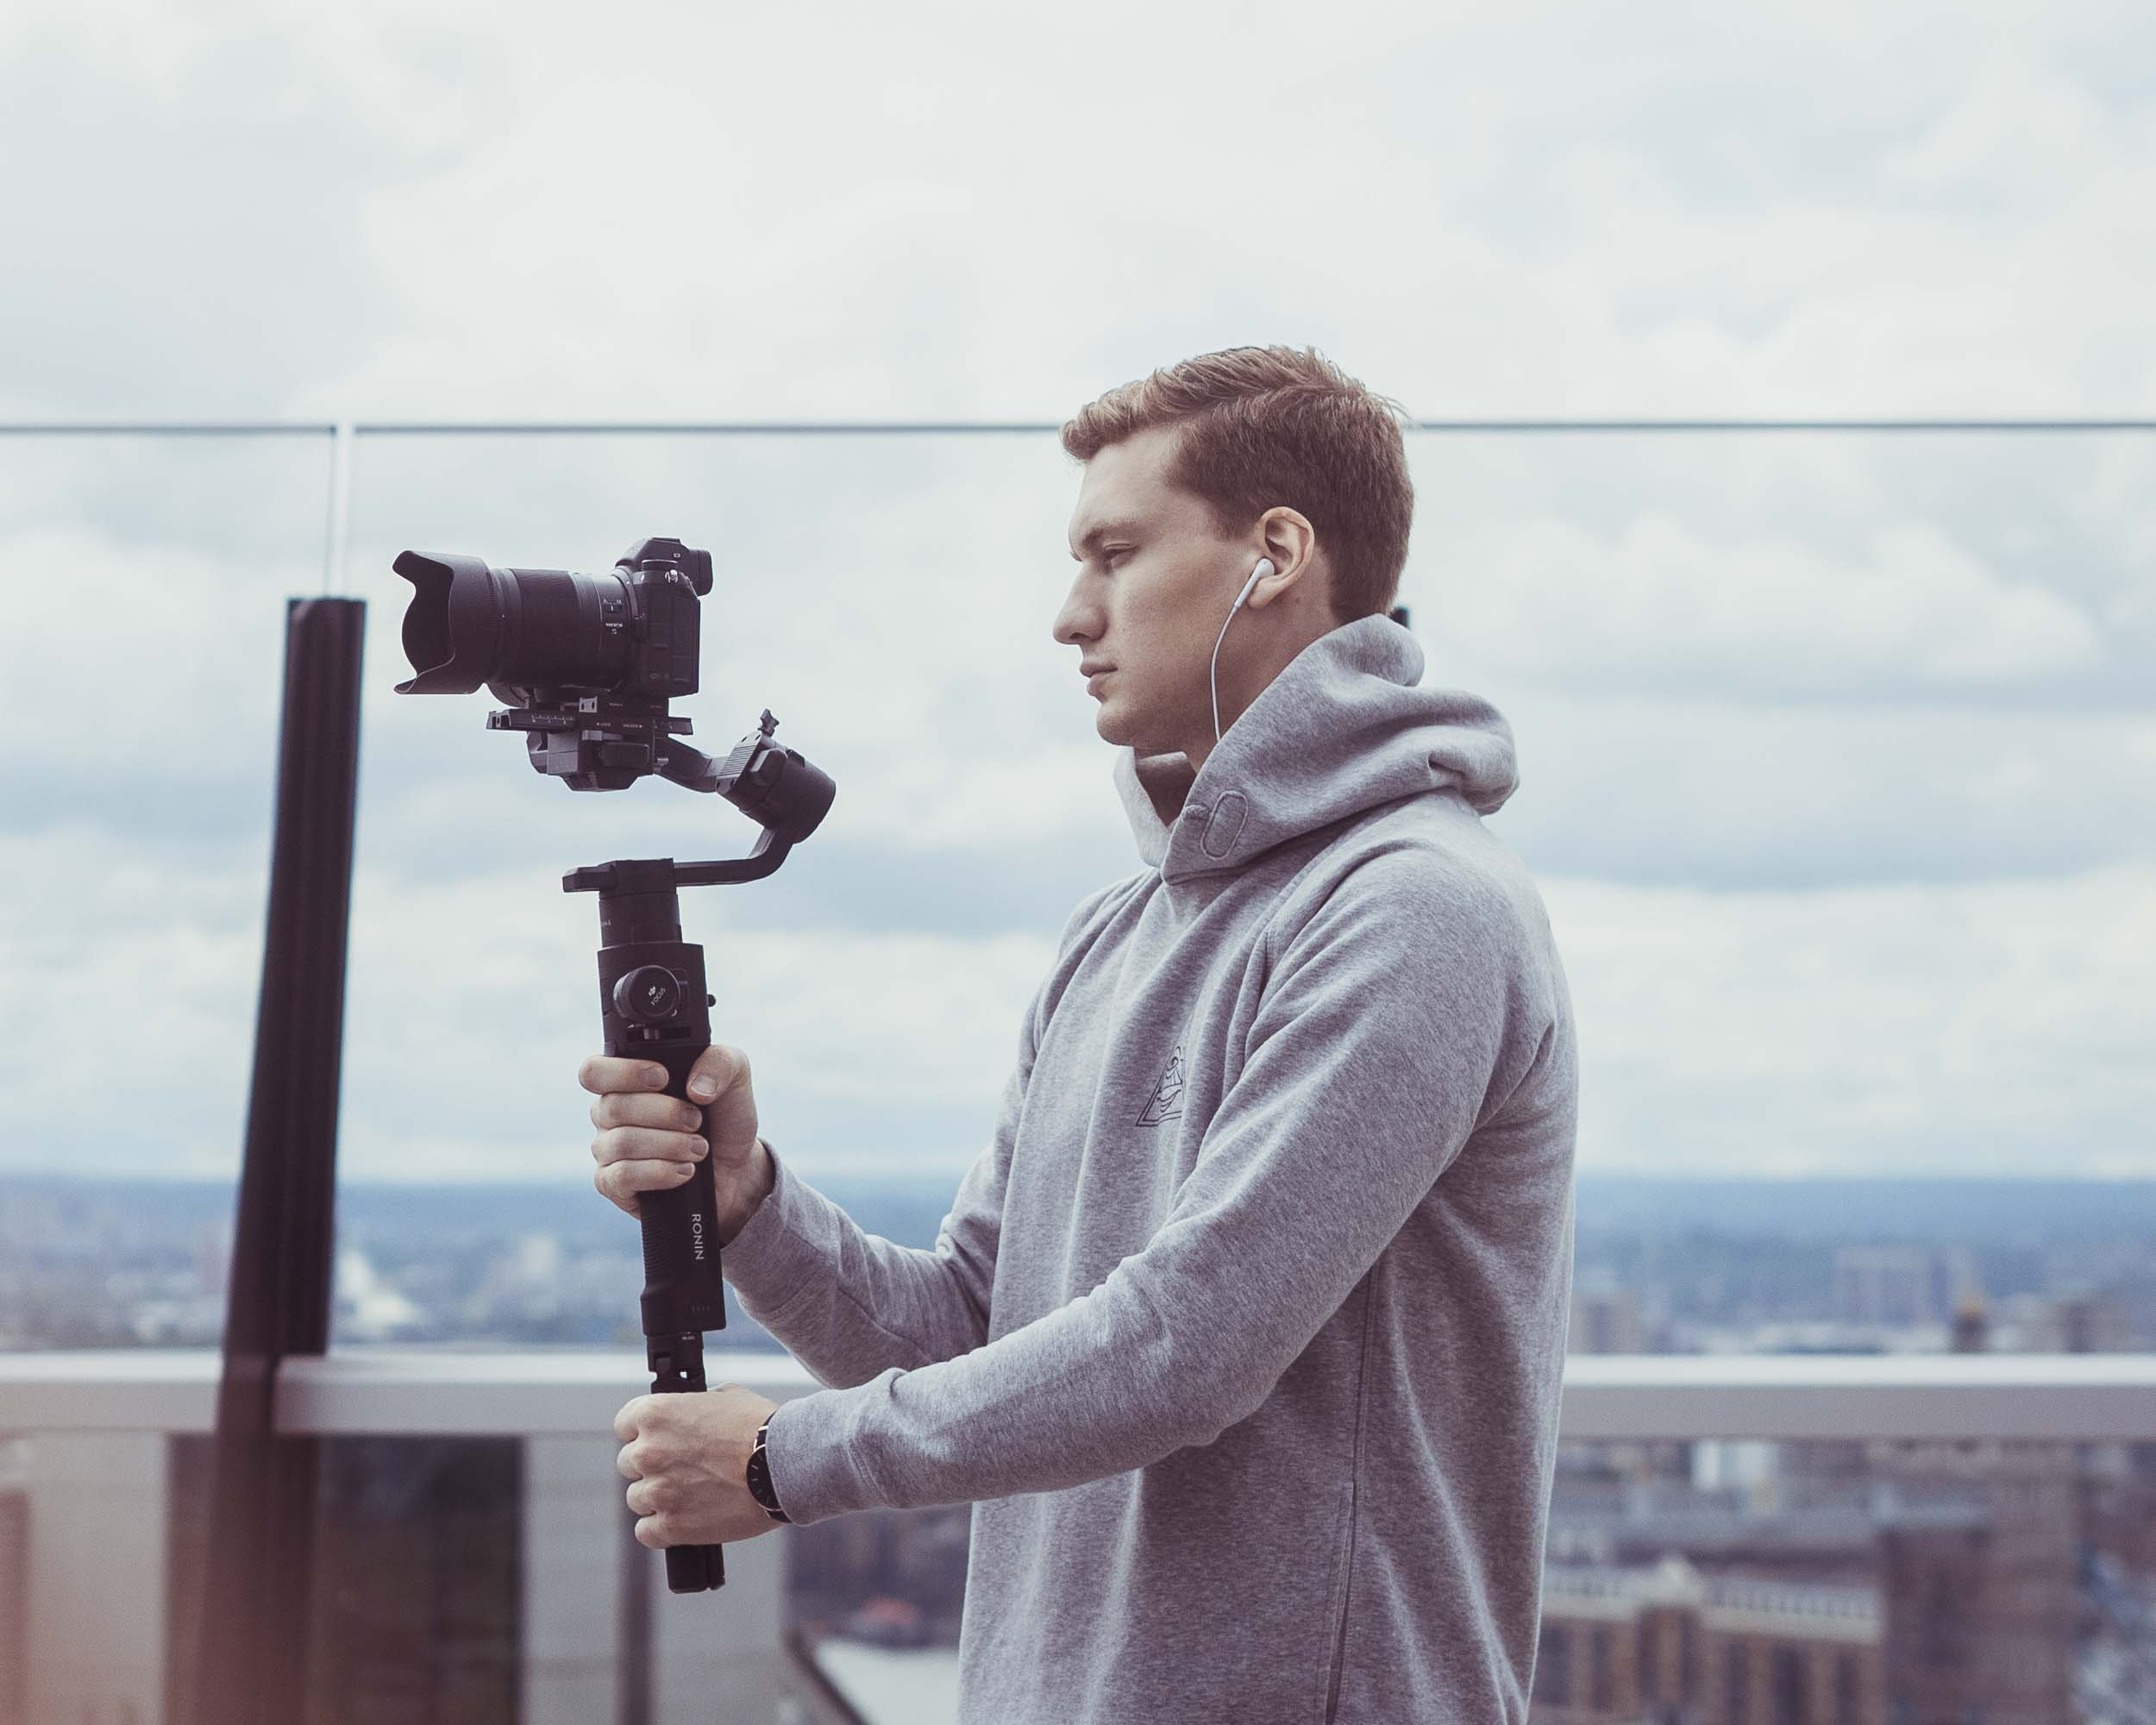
(1167, 1100)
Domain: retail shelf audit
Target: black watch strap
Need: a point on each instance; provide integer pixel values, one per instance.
(760, 1475)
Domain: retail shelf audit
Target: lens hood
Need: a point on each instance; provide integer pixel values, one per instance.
(453, 626)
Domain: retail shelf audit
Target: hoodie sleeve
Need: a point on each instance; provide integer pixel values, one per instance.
(1395, 1021)
(849, 1304)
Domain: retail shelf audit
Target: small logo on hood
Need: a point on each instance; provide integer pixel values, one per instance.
(1166, 1102)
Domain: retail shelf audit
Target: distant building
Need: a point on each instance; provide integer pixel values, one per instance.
(2077, 1321)
(2090, 1323)
(1968, 1553)
(15, 1589)
(1669, 1644)
(1900, 1286)
(1606, 1318)
(1979, 1557)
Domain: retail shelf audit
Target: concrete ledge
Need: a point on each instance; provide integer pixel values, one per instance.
(566, 1392)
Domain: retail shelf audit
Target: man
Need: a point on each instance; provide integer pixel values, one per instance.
(1244, 1334)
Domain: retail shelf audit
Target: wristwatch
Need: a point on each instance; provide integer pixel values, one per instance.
(760, 1475)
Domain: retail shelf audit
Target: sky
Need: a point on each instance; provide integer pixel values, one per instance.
(1836, 750)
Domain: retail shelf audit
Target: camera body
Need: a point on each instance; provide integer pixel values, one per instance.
(648, 625)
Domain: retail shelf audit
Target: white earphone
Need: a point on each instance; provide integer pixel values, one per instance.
(1264, 569)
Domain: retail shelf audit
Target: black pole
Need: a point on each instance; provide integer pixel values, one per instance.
(251, 1665)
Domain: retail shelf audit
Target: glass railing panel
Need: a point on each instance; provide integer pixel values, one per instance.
(1825, 742)
(146, 578)
(1850, 1583)
(1969, 569)
(1858, 1578)
(877, 1601)
(416, 1595)
(890, 600)
(477, 1579)
(1822, 741)
(1860, 697)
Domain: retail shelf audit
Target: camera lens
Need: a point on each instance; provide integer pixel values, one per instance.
(470, 624)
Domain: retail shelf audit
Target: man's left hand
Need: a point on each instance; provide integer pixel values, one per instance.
(688, 1457)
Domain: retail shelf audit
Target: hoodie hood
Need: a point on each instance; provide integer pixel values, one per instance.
(1342, 729)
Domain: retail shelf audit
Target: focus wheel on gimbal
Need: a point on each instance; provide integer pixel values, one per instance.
(650, 993)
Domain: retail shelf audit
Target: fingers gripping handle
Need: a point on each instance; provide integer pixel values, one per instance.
(683, 1297)
(683, 1289)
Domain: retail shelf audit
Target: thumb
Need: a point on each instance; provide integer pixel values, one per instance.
(716, 1068)
(729, 1117)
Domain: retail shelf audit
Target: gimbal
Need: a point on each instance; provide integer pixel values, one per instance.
(590, 662)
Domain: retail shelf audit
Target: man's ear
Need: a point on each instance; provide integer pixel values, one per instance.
(1291, 543)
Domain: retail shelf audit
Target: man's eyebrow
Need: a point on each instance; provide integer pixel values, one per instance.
(1102, 532)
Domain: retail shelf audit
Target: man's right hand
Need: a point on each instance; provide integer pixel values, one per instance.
(650, 1141)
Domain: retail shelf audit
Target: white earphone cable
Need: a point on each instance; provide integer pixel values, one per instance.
(1264, 568)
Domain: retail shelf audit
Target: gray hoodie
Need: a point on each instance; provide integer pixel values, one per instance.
(1244, 1334)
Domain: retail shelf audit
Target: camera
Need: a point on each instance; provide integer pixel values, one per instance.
(587, 663)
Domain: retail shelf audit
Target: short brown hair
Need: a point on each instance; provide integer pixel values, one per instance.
(1266, 426)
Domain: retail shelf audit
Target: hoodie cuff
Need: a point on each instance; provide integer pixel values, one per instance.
(811, 1458)
(781, 1250)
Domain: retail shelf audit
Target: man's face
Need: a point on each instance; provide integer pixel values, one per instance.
(1153, 585)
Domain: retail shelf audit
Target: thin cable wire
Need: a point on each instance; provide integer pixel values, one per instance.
(774, 428)
(1212, 675)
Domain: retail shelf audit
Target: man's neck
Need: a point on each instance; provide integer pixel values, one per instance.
(1281, 643)
(1167, 780)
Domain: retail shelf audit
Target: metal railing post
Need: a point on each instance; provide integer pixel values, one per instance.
(342, 439)
(252, 1666)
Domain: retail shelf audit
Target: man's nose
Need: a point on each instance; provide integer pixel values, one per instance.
(1067, 627)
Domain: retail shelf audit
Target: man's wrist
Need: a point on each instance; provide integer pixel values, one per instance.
(762, 1177)
(760, 1486)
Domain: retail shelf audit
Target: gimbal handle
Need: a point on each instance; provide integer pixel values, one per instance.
(653, 1006)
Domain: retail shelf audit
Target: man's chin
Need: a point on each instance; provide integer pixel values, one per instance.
(1110, 726)
(1141, 740)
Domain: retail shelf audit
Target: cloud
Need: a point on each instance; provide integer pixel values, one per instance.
(470, 1004)
(1995, 571)
(1720, 795)
(1847, 740)
(1666, 607)
(963, 212)
(184, 243)
(1996, 1028)
(127, 1025)
(1991, 1027)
